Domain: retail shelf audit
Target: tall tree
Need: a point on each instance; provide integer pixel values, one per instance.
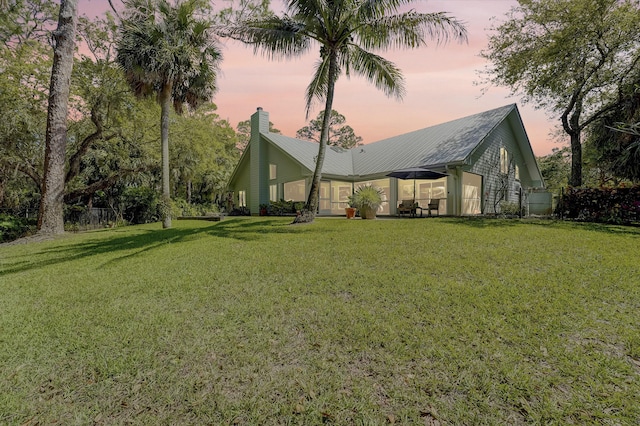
(51, 215)
(347, 31)
(203, 154)
(569, 57)
(243, 129)
(26, 73)
(614, 139)
(24, 20)
(555, 168)
(340, 134)
(168, 51)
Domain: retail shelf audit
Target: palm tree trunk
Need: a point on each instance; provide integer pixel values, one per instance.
(51, 214)
(314, 193)
(165, 106)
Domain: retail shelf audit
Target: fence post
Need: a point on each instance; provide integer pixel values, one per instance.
(520, 202)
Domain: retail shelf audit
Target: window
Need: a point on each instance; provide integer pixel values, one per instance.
(504, 161)
(273, 169)
(340, 192)
(423, 191)
(471, 193)
(242, 198)
(273, 192)
(517, 172)
(294, 191)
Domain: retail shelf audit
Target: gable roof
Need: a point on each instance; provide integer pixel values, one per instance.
(337, 161)
(447, 143)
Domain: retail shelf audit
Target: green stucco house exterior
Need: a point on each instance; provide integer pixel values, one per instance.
(487, 158)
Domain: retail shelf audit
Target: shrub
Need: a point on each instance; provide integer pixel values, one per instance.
(182, 208)
(284, 207)
(611, 205)
(140, 205)
(13, 227)
(509, 209)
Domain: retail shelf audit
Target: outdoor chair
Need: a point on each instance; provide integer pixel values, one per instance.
(410, 207)
(434, 204)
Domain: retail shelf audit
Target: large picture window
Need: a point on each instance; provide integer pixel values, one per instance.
(423, 191)
(340, 192)
(295, 191)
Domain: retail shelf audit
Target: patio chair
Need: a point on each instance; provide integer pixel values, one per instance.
(434, 204)
(410, 207)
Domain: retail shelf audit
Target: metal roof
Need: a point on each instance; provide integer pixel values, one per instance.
(337, 161)
(446, 143)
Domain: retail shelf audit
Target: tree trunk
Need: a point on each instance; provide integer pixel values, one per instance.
(313, 200)
(576, 160)
(189, 189)
(3, 185)
(165, 105)
(571, 126)
(51, 214)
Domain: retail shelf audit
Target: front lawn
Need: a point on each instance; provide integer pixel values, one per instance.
(251, 321)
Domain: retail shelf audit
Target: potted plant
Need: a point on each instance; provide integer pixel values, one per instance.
(350, 210)
(367, 199)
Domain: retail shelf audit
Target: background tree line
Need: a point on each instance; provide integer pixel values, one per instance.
(112, 140)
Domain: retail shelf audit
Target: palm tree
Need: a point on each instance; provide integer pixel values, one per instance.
(347, 31)
(168, 51)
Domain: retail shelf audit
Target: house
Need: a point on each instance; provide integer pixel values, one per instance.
(487, 159)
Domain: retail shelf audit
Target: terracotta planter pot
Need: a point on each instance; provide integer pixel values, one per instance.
(351, 212)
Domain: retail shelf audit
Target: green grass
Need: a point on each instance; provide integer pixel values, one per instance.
(256, 322)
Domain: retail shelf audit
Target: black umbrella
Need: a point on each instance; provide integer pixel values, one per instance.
(416, 173)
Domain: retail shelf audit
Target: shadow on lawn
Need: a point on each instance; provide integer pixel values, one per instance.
(484, 222)
(131, 245)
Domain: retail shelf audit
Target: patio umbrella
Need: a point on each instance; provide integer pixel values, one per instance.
(416, 173)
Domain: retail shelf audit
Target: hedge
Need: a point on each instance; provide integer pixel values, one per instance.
(610, 205)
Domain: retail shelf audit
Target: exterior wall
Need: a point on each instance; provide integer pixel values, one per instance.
(252, 174)
(485, 161)
(287, 170)
(242, 182)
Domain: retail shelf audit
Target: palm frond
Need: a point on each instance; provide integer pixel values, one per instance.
(169, 46)
(384, 74)
(410, 30)
(276, 37)
(317, 89)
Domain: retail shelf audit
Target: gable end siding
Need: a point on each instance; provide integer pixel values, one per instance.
(288, 170)
(485, 161)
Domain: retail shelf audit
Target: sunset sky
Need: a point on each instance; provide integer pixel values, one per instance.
(441, 83)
